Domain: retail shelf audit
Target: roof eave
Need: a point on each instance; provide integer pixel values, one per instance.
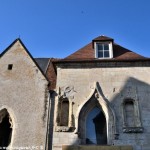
(99, 60)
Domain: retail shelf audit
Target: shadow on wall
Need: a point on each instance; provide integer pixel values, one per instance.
(49, 136)
(135, 91)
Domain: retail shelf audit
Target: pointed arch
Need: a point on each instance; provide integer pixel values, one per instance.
(6, 127)
(97, 99)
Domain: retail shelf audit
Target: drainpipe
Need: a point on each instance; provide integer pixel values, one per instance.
(48, 121)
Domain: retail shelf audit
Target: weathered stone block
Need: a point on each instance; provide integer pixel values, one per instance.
(126, 148)
(146, 147)
(88, 147)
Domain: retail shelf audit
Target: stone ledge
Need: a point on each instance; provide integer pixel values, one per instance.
(64, 129)
(92, 147)
(133, 129)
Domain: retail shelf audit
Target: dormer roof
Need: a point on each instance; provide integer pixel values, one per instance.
(103, 38)
(119, 53)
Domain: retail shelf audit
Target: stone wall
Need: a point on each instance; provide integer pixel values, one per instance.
(117, 83)
(24, 94)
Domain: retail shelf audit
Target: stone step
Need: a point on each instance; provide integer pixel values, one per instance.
(96, 147)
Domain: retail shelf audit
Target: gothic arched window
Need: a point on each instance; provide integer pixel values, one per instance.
(5, 128)
(64, 118)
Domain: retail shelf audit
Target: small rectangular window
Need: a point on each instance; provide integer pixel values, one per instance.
(103, 50)
(129, 111)
(10, 66)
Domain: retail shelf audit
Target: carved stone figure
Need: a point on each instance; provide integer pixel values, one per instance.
(67, 92)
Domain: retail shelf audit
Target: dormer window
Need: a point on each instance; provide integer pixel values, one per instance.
(103, 50)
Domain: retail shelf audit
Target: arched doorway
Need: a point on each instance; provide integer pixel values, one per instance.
(92, 127)
(97, 99)
(5, 128)
(96, 132)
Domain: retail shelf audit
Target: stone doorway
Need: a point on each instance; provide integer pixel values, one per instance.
(98, 100)
(92, 128)
(96, 132)
(5, 128)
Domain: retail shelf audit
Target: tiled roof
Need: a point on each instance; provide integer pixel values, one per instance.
(43, 63)
(103, 38)
(119, 52)
(51, 74)
(47, 67)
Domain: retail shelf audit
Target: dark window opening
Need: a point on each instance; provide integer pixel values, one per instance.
(10, 66)
(129, 112)
(5, 131)
(64, 118)
(103, 50)
(96, 132)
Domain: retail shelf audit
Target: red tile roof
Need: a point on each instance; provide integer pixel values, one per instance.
(87, 54)
(103, 38)
(119, 52)
(51, 74)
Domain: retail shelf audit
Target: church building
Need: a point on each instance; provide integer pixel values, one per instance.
(94, 99)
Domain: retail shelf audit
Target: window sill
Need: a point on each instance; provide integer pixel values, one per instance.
(133, 129)
(64, 129)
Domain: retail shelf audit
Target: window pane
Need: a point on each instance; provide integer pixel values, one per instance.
(100, 54)
(106, 47)
(99, 46)
(106, 53)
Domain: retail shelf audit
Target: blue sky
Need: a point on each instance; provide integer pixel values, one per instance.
(57, 28)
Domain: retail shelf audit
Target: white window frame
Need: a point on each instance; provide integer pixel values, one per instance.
(110, 50)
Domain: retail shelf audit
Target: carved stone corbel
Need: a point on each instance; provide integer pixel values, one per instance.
(67, 92)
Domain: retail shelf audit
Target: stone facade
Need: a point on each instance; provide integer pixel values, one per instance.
(24, 94)
(111, 86)
(119, 87)
(46, 103)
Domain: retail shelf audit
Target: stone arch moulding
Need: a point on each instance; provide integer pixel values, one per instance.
(6, 115)
(97, 98)
(137, 126)
(129, 96)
